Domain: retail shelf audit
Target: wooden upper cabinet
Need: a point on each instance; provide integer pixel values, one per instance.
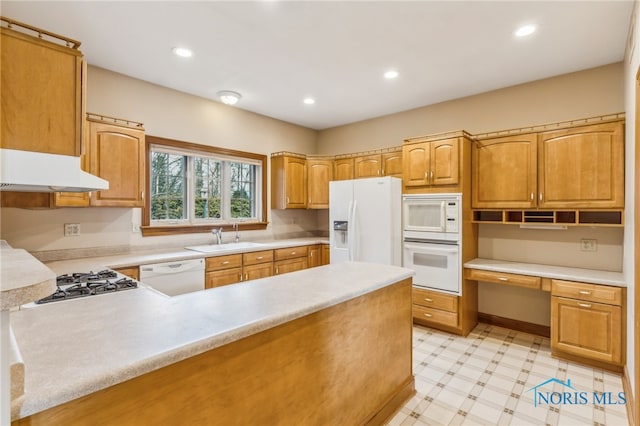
(319, 173)
(343, 169)
(42, 95)
(582, 167)
(504, 172)
(367, 166)
(288, 182)
(392, 164)
(433, 163)
(117, 154)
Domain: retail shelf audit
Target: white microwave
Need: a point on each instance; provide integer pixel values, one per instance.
(432, 216)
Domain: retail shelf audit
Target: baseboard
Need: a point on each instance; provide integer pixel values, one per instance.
(395, 403)
(526, 327)
(628, 393)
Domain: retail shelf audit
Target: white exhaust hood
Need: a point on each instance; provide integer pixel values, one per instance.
(39, 172)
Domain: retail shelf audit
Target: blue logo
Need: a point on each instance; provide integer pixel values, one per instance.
(572, 396)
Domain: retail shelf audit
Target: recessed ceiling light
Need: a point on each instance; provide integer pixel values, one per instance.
(391, 74)
(183, 52)
(229, 97)
(525, 30)
(309, 101)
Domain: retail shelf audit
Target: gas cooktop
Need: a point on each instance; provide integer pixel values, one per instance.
(73, 286)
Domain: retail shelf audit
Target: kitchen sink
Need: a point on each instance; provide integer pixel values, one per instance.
(212, 248)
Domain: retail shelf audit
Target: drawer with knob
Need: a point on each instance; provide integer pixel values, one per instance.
(290, 253)
(587, 292)
(217, 263)
(253, 258)
(421, 313)
(432, 299)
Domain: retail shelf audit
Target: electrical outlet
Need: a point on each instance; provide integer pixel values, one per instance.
(71, 229)
(588, 245)
(135, 228)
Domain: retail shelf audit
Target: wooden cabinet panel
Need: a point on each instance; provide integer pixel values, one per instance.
(582, 167)
(505, 172)
(117, 154)
(392, 164)
(290, 265)
(326, 254)
(131, 272)
(343, 168)
(518, 280)
(42, 95)
(586, 329)
(319, 173)
(216, 263)
(314, 257)
(260, 270)
(444, 162)
(290, 253)
(416, 164)
(367, 166)
(256, 257)
(222, 277)
(288, 182)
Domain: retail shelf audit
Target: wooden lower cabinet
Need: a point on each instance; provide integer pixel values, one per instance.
(314, 256)
(131, 272)
(325, 254)
(584, 329)
(454, 314)
(257, 264)
(290, 259)
(223, 270)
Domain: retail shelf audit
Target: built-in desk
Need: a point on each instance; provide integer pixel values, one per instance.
(588, 307)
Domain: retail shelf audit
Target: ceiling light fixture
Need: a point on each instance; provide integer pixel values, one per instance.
(183, 52)
(309, 101)
(525, 30)
(391, 74)
(228, 97)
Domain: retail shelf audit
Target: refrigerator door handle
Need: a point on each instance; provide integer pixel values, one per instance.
(353, 238)
(350, 231)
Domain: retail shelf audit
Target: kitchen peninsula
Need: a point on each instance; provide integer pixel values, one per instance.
(328, 345)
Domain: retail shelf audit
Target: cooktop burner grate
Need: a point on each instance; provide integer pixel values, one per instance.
(73, 286)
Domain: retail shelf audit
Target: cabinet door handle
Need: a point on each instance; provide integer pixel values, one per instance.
(584, 305)
(276, 270)
(426, 299)
(428, 315)
(585, 292)
(532, 196)
(540, 196)
(383, 171)
(503, 279)
(246, 276)
(431, 175)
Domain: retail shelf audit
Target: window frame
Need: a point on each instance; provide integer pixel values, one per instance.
(154, 230)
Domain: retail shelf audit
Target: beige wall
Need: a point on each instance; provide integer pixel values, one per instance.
(169, 114)
(577, 95)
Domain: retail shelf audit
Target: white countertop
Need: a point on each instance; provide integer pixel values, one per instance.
(23, 278)
(166, 255)
(592, 276)
(77, 347)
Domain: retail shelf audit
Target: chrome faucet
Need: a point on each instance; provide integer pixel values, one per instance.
(218, 234)
(235, 226)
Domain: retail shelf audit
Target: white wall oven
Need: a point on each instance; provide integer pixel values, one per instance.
(432, 240)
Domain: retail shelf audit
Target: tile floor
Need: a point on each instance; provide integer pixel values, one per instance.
(486, 379)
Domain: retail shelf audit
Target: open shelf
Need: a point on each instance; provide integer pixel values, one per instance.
(554, 217)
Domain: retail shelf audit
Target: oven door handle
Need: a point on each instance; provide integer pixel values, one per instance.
(431, 249)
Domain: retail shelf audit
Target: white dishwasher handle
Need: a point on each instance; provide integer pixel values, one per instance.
(171, 267)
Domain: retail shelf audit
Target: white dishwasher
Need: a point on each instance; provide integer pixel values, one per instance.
(174, 278)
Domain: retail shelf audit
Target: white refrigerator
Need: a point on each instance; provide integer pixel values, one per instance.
(365, 220)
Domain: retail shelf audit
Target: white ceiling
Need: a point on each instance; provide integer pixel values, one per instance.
(275, 53)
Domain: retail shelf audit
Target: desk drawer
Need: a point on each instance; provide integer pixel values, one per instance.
(432, 299)
(589, 292)
(518, 280)
(449, 319)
